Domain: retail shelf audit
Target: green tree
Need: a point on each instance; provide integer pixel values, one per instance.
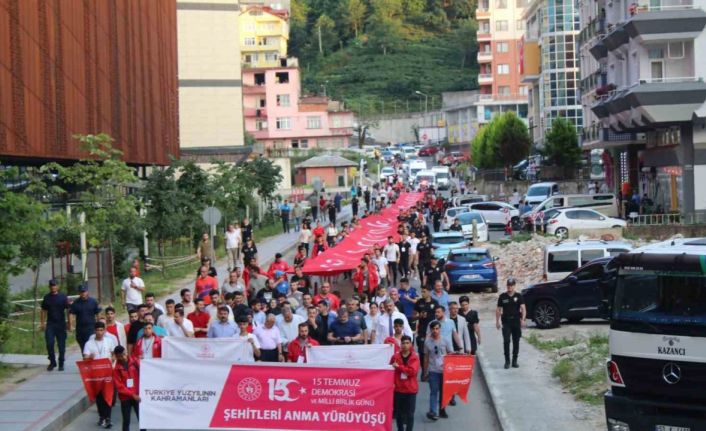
(511, 138)
(325, 35)
(384, 32)
(561, 144)
(298, 29)
(164, 217)
(465, 38)
(266, 176)
(231, 188)
(195, 195)
(353, 13)
(100, 181)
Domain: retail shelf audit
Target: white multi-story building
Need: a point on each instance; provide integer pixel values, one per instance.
(643, 91)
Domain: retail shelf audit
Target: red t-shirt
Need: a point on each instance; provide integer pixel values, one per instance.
(204, 286)
(200, 320)
(332, 299)
(113, 329)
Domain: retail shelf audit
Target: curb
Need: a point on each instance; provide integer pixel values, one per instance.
(503, 419)
(495, 408)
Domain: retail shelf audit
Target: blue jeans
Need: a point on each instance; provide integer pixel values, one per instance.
(297, 223)
(434, 392)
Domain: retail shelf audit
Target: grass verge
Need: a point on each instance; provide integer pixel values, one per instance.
(582, 371)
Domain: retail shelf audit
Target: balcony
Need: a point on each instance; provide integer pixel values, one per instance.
(482, 12)
(664, 100)
(485, 56)
(485, 78)
(254, 89)
(597, 136)
(255, 112)
(260, 134)
(597, 79)
(483, 34)
(668, 18)
(596, 27)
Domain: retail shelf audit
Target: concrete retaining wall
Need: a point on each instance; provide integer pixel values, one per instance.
(505, 188)
(662, 232)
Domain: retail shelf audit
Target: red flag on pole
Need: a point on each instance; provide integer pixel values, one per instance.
(97, 376)
(458, 372)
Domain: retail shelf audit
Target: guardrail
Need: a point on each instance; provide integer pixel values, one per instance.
(666, 219)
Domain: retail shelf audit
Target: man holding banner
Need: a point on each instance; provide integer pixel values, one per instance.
(436, 348)
(101, 347)
(126, 376)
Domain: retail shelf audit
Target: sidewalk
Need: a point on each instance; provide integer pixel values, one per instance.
(52, 400)
(527, 398)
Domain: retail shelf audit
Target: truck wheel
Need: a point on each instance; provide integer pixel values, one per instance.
(546, 315)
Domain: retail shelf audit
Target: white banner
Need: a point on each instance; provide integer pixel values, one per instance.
(231, 350)
(356, 354)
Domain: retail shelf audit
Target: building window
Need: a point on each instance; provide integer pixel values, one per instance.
(520, 24)
(503, 90)
(283, 123)
(313, 122)
(271, 56)
(337, 121)
(282, 77)
(501, 25)
(655, 53)
(676, 49)
(501, 4)
(501, 47)
(503, 69)
(260, 125)
(283, 100)
(524, 91)
(300, 143)
(249, 41)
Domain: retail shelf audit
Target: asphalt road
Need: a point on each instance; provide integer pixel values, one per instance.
(477, 414)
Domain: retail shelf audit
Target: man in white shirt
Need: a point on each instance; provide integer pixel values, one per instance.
(270, 340)
(288, 324)
(169, 315)
(216, 303)
(100, 347)
(413, 257)
(303, 309)
(392, 254)
(385, 323)
(381, 263)
(253, 350)
(233, 240)
(515, 199)
(179, 326)
(131, 292)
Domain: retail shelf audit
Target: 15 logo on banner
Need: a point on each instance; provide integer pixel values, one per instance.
(279, 389)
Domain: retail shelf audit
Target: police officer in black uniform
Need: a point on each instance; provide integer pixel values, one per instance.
(511, 312)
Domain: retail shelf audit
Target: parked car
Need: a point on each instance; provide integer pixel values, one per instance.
(519, 171)
(471, 267)
(462, 200)
(409, 151)
(387, 155)
(467, 218)
(537, 193)
(453, 212)
(443, 242)
(563, 258)
(568, 219)
(385, 172)
(453, 157)
(604, 203)
(497, 213)
(428, 150)
(575, 297)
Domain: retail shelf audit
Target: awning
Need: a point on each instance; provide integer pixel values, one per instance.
(375, 229)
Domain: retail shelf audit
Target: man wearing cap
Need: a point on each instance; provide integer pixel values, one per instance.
(85, 309)
(53, 320)
(511, 312)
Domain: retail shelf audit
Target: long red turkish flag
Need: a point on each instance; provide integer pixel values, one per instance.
(373, 230)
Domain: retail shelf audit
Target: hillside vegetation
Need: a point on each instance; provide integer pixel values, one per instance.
(374, 54)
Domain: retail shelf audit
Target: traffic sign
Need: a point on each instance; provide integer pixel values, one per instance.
(211, 216)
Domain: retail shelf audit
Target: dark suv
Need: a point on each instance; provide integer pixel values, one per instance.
(575, 297)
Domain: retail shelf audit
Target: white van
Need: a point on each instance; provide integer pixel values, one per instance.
(537, 193)
(415, 166)
(425, 178)
(563, 258)
(442, 176)
(604, 203)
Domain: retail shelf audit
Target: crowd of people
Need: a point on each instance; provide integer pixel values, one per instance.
(279, 310)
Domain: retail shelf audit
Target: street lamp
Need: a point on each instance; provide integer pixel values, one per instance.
(426, 99)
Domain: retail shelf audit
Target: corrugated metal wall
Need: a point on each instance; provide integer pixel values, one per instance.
(88, 66)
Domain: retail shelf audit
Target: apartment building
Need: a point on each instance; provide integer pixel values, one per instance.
(264, 35)
(550, 65)
(210, 85)
(279, 117)
(500, 29)
(645, 98)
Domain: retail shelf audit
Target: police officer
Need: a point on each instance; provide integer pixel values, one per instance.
(511, 312)
(55, 323)
(85, 309)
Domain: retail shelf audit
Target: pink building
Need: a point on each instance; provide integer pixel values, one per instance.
(279, 117)
(331, 171)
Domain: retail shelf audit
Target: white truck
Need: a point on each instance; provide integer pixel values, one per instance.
(443, 177)
(415, 166)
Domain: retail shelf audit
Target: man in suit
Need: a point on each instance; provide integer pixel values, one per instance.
(461, 327)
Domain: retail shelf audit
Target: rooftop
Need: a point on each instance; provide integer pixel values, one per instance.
(326, 162)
